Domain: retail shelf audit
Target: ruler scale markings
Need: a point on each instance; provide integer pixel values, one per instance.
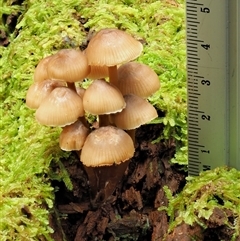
(194, 148)
(191, 36)
(207, 72)
(194, 170)
(192, 53)
(195, 3)
(194, 104)
(194, 58)
(191, 15)
(191, 21)
(194, 135)
(193, 121)
(195, 167)
(193, 86)
(194, 154)
(192, 97)
(195, 40)
(194, 46)
(198, 129)
(196, 145)
(195, 151)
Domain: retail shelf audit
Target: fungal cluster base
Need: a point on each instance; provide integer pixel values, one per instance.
(117, 96)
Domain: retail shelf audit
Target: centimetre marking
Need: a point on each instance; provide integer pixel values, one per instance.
(212, 54)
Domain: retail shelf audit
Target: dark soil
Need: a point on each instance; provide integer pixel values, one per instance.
(131, 212)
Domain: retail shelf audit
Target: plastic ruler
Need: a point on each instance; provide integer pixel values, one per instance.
(213, 84)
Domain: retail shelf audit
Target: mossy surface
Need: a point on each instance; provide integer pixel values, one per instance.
(27, 148)
(211, 190)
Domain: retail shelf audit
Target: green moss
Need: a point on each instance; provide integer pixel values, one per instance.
(27, 148)
(218, 188)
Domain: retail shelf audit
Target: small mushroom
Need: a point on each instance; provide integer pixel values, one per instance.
(137, 112)
(102, 98)
(105, 156)
(40, 72)
(73, 136)
(138, 79)
(69, 65)
(38, 91)
(111, 47)
(61, 107)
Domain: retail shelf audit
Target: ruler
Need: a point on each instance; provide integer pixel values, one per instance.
(213, 84)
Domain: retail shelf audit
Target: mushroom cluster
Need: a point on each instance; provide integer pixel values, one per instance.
(117, 96)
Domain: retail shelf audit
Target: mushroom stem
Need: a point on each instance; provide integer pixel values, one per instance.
(131, 133)
(84, 121)
(103, 181)
(112, 71)
(103, 120)
(71, 86)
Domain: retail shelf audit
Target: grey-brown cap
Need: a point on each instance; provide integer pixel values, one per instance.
(111, 47)
(40, 72)
(107, 146)
(39, 90)
(138, 79)
(61, 107)
(137, 112)
(70, 65)
(102, 98)
(73, 136)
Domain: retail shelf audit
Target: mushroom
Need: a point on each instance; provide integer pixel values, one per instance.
(38, 91)
(138, 79)
(40, 72)
(111, 47)
(102, 98)
(137, 112)
(73, 136)
(69, 65)
(105, 156)
(61, 107)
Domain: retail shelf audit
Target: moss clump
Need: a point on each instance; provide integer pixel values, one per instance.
(218, 188)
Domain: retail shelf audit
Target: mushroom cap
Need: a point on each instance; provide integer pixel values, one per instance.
(106, 146)
(137, 112)
(111, 47)
(138, 79)
(61, 107)
(38, 91)
(102, 98)
(40, 72)
(68, 64)
(73, 136)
